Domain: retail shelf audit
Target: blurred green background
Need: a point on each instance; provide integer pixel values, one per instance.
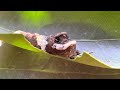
(108, 21)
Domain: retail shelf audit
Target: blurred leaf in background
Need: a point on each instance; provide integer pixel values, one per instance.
(109, 21)
(35, 18)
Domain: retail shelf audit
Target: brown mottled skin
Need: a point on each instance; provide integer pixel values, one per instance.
(59, 39)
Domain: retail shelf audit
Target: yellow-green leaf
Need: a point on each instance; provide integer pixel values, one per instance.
(90, 60)
(18, 40)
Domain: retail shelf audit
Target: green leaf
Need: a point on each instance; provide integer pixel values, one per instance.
(90, 60)
(35, 18)
(29, 74)
(108, 21)
(18, 40)
(16, 62)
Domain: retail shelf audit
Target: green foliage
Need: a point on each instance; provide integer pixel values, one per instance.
(109, 21)
(35, 18)
(19, 41)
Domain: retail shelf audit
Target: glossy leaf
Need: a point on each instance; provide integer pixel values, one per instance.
(19, 41)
